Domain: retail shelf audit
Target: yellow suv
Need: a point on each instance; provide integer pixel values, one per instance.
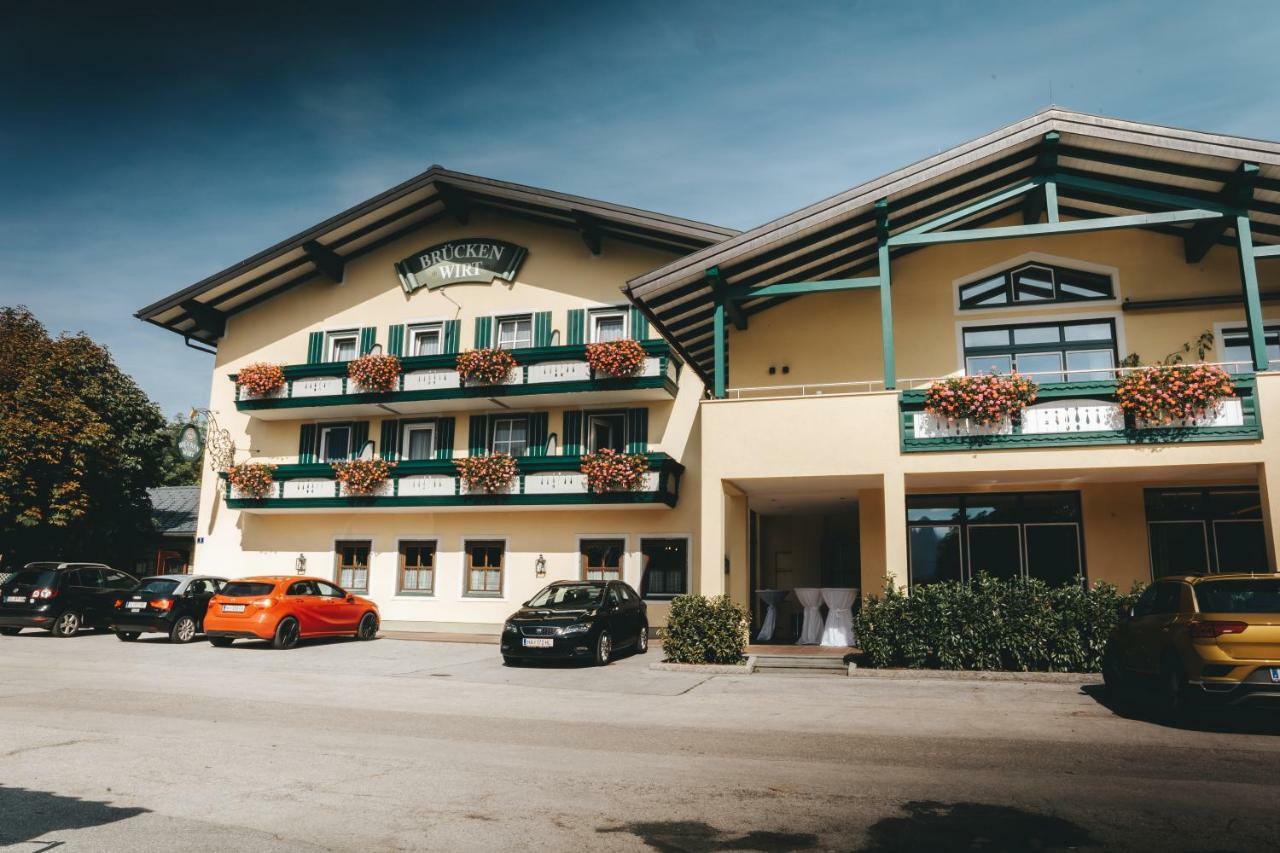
(1200, 637)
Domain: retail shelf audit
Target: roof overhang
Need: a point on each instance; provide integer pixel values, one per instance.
(836, 238)
(199, 312)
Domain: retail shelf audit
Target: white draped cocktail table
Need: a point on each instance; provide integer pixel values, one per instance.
(839, 628)
(771, 598)
(811, 630)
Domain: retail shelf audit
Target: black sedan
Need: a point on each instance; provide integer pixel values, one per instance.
(166, 604)
(577, 620)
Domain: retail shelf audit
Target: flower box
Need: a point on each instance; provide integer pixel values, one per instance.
(982, 400)
(252, 479)
(486, 366)
(616, 359)
(492, 474)
(260, 380)
(362, 477)
(374, 373)
(1174, 395)
(610, 471)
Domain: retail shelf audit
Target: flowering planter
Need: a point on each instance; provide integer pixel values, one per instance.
(486, 366)
(261, 380)
(980, 401)
(610, 471)
(492, 474)
(251, 479)
(616, 359)
(374, 373)
(362, 477)
(1176, 395)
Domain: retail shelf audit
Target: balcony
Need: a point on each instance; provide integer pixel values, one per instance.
(544, 482)
(542, 376)
(1068, 414)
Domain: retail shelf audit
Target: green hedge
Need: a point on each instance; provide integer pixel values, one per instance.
(705, 630)
(1021, 625)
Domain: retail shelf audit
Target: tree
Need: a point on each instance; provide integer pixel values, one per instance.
(175, 470)
(79, 444)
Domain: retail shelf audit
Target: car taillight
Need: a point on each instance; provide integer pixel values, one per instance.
(264, 603)
(119, 601)
(1209, 630)
(161, 603)
(43, 592)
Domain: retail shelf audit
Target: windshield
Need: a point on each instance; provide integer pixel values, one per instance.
(160, 585)
(1251, 596)
(32, 577)
(571, 595)
(245, 588)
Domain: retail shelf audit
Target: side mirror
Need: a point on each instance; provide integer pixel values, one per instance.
(350, 598)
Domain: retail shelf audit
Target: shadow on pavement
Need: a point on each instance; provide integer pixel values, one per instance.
(1144, 707)
(692, 836)
(28, 816)
(935, 826)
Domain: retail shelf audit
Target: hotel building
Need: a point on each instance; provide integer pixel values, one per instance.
(781, 400)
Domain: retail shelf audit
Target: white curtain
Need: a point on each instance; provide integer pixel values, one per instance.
(839, 628)
(811, 630)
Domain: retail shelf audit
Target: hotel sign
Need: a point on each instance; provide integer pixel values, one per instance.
(478, 259)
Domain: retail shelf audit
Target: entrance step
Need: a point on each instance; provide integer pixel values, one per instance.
(800, 664)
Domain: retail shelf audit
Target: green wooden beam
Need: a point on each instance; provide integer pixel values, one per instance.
(718, 347)
(1075, 226)
(1051, 200)
(886, 299)
(1046, 163)
(1252, 302)
(975, 207)
(1236, 190)
(795, 288)
(1266, 252)
(721, 287)
(1119, 190)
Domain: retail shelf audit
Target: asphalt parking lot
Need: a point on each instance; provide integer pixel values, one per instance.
(398, 745)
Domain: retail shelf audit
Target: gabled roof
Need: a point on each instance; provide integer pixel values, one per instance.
(198, 312)
(174, 509)
(835, 238)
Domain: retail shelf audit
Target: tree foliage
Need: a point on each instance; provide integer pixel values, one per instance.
(79, 444)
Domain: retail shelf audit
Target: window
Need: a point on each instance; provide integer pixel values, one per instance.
(602, 559)
(666, 567)
(607, 430)
(515, 332)
(610, 325)
(1077, 352)
(418, 441)
(417, 567)
(118, 580)
(1198, 530)
(1237, 350)
(324, 589)
(426, 340)
(341, 346)
(1031, 284)
(1007, 535)
(510, 435)
(302, 588)
(484, 568)
(335, 442)
(353, 565)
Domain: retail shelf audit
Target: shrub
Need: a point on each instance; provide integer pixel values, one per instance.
(485, 366)
(1168, 392)
(362, 476)
(252, 478)
(705, 630)
(260, 379)
(375, 372)
(493, 473)
(984, 399)
(1022, 625)
(608, 470)
(616, 358)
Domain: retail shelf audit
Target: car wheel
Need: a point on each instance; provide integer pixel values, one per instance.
(1173, 687)
(642, 641)
(9, 632)
(1112, 675)
(368, 627)
(604, 649)
(286, 634)
(183, 630)
(126, 636)
(221, 642)
(66, 625)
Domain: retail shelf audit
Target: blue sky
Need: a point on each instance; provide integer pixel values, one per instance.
(143, 147)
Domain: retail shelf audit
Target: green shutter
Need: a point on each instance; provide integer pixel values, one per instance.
(637, 430)
(395, 340)
(538, 434)
(577, 327)
(307, 444)
(484, 333)
(572, 434)
(542, 329)
(639, 325)
(444, 437)
(368, 337)
(478, 437)
(359, 437)
(315, 348)
(452, 334)
(389, 441)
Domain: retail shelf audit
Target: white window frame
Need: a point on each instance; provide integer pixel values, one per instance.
(517, 319)
(591, 416)
(1219, 329)
(605, 313)
(332, 339)
(422, 329)
(406, 429)
(322, 445)
(493, 433)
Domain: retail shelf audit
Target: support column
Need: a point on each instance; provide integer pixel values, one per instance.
(719, 347)
(737, 547)
(711, 540)
(886, 300)
(1252, 301)
(895, 529)
(882, 533)
(1269, 490)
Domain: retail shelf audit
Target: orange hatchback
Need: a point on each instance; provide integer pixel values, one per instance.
(286, 609)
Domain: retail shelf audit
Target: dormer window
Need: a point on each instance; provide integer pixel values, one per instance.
(1035, 284)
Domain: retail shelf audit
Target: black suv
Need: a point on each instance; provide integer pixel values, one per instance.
(61, 598)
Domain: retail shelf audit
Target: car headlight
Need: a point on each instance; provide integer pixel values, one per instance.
(509, 627)
(576, 628)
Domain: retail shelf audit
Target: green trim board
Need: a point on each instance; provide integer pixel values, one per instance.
(1252, 301)
(1266, 251)
(1075, 226)
(886, 294)
(739, 294)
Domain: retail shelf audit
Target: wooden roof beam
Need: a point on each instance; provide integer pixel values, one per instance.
(208, 320)
(1237, 191)
(589, 230)
(720, 288)
(1035, 204)
(326, 260)
(455, 202)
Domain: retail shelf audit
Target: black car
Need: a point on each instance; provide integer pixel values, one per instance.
(168, 604)
(61, 598)
(577, 620)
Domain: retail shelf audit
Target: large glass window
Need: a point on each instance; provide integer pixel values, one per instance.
(1031, 284)
(1006, 535)
(515, 332)
(1052, 352)
(353, 565)
(510, 435)
(666, 567)
(602, 559)
(1237, 350)
(1197, 530)
(417, 567)
(484, 568)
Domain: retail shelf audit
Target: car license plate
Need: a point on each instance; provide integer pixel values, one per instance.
(1275, 673)
(233, 608)
(539, 642)
(135, 605)
(15, 599)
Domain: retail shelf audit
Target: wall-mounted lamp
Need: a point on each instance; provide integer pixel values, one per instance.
(540, 566)
(300, 565)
